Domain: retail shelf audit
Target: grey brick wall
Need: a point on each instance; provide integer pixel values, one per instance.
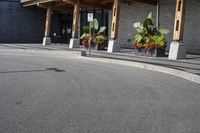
(23, 25)
(138, 11)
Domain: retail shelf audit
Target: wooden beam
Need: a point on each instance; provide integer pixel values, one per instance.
(95, 5)
(179, 20)
(76, 16)
(115, 19)
(151, 2)
(106, 1)
(48, 21)
(99, 4)
(70, 1)
(35, 2)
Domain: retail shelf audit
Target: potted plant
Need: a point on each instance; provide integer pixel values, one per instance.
(156, 46)
(140, 40)
(96, 39)
(85, 37)
(101, 41)
(150, 40)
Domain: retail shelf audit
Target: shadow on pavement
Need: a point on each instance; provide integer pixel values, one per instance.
(28, 71)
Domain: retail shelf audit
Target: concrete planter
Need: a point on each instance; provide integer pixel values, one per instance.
(99, 46)
(140, 51)
(157, 52)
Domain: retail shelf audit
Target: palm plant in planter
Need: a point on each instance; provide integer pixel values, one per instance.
(101, 41)
(85, 37)
(149, 40)
(96, 39)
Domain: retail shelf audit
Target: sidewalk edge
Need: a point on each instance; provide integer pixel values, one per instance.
(178, 73)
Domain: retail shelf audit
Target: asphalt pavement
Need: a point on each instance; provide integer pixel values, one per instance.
(56, 92)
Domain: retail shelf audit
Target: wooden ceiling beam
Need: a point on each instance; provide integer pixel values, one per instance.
(106, 4)
(87, 4)
(72, 2)
(106, 1)
(151, 2)
(35, 2)
(95, 5)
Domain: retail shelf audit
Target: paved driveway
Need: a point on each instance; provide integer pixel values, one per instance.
(44, 92)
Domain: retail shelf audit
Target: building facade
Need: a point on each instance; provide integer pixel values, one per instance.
(136, 12)
(27, 25)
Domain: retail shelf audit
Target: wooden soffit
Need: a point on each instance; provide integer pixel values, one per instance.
(27, 3)
(106, 4)
(151, 2)
(58, 5)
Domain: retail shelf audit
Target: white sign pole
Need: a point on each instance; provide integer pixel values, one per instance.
(90, 17)
(90, 20)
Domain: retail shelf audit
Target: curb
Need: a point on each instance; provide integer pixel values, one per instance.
(178, 73)
(80, 54)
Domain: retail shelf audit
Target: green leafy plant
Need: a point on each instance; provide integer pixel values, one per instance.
(96, 33)
(160, 41)
(101, 39)
(149, 36)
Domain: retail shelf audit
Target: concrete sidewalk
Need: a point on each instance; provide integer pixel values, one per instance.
(33, 46)
(190, 65)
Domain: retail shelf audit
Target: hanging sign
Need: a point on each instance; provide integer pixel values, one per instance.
(90, 17)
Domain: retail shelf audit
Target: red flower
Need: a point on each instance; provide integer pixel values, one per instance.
(85, 43)
(150, 46)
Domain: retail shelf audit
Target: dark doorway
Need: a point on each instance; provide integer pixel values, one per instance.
(65, 31)
(66, 27)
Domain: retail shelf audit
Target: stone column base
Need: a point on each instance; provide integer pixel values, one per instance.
(113, 46)
(74, 43)
(177, 51)
(46, 41)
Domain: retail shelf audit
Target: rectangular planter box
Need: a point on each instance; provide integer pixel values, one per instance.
(99, 47)
(157, 52)
(140, 51)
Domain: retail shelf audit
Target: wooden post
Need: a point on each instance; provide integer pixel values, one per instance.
(177, 48)
(179, 20)
(76, 19)
(113, 44)
(48, 20)
(115, 19)
(74, 41)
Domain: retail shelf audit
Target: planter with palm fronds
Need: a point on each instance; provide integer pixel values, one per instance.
(97, 40)
(149, 40)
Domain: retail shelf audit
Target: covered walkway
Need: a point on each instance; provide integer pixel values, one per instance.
(177, 49)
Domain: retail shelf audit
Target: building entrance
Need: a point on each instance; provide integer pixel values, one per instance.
(66, 31)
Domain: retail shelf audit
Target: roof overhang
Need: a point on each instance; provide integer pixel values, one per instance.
(57, 4)
(27, 3)
(106, 4)
(150, 2)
